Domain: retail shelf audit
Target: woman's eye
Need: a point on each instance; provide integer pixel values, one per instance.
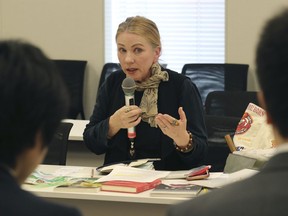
(138, 50)
(121, 50)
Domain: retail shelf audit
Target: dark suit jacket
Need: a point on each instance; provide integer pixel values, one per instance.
(150, 141)
(266, 193)
(14, 201)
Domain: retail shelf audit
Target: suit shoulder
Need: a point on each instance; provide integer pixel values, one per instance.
(175, 75)
(178, 81)
(116, 76)
(29, 204)
(114, 81)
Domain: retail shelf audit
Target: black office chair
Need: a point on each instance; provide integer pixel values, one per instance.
(107, 69)
(217, 77)
(57, 151)
(218, 150)
(72, 72)
(223, 111)
(229, 103)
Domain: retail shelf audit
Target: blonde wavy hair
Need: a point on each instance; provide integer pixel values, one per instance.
(143, 27)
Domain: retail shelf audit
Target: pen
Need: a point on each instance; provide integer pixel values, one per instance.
(92, 173)
(230, 143)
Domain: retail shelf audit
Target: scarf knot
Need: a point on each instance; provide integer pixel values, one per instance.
(150, 95)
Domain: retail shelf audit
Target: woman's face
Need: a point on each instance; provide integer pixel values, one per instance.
(136, 56)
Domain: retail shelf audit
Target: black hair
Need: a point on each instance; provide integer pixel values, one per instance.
(33, 98)
(272, 69)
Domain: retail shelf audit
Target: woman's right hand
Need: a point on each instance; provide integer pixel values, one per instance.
(125, 117)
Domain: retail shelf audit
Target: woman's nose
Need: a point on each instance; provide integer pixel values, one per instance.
(129, 58)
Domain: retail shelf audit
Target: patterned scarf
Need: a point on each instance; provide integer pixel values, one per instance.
(150, 96)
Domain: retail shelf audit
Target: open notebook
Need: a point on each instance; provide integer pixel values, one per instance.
(146, 163)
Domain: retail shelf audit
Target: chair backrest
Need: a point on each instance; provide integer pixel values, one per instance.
(217, 77)
(223, 111)
(107, 69)
(229, 103)
(217, 128)
(57, 152)
(72, 72)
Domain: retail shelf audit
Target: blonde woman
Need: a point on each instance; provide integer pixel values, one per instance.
(168, 112)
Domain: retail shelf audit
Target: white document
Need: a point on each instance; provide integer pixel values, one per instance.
(125, 173)
(146, 163)
(220, 180)
(258, 154)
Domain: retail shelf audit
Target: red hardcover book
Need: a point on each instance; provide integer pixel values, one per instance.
(129, 186)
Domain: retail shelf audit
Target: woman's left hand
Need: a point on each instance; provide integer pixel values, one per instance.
(175, 129)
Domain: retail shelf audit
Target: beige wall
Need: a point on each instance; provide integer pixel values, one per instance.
(73, 29)
(64, 29)
(244, 21)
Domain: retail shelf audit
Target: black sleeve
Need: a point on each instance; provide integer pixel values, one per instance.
(193, 108)
(95, 133)
(192, 105)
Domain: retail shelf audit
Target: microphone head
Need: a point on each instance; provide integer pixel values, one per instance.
(128, 86)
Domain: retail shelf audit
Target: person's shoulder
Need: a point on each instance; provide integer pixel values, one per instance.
(175, 75)
(29, 204)
(115, 77)
(56, 209)
(207, 204)
(53, 208)
(40, 207)
(119, 74)
(177, 79)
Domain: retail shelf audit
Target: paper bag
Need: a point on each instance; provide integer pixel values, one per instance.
(253, 132)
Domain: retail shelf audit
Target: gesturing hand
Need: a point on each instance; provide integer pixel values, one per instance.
(175, 129)
(125, 117)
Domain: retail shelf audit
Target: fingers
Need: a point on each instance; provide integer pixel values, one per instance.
(174, 122)
(182, 114)
(166, 122)
(125, 117)
(127, 109)
(134, 108)
(170, 125)
(130, 116)
(162, 121)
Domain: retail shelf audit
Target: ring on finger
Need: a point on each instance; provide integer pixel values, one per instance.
(128, 109)
(174, 122)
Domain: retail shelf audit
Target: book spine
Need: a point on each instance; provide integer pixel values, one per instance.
(142, 188)
(148, 186)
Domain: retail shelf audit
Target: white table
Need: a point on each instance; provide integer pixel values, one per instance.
(76, 133)
(104, 203)
(78, 154)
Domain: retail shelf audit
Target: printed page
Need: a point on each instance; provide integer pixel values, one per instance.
(218, 181)
(125, 173)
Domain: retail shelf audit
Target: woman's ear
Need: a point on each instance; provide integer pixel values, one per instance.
(262, 103)
(157, 54)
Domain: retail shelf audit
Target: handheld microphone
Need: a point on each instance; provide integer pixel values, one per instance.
(129, 86)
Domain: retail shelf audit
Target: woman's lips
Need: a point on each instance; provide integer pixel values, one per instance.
(131, 70)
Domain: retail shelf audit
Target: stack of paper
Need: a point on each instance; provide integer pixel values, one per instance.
(218, 180)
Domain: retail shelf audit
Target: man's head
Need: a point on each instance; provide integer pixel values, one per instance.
(32, 99)
(272, 70)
